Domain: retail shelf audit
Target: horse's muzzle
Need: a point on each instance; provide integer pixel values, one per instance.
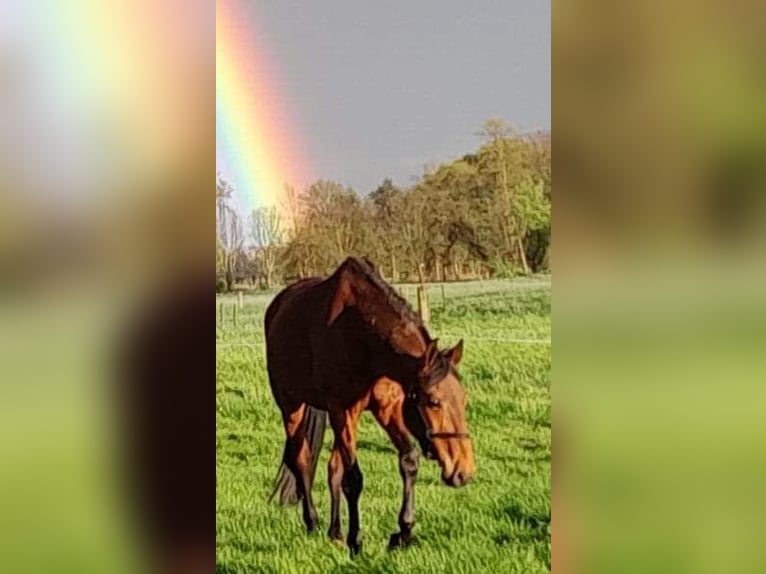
(458, 479)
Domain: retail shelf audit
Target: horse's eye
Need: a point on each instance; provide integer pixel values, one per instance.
(433, 403)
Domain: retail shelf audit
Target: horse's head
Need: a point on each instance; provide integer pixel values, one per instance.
(436, 414)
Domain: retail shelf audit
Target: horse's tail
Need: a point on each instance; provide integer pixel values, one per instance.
(285, 487)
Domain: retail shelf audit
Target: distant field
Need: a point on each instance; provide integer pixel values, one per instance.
(499, 523)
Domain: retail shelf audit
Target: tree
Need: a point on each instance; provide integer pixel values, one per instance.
(488, 211)
(538, 237)
(267, 236)
(290, 209)
(385, 206)
(516, 168)
(229, 231)
(332, 224)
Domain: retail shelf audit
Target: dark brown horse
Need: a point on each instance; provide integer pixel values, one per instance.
(350, 343)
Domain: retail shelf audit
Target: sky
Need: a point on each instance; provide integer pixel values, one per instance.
(376, 90)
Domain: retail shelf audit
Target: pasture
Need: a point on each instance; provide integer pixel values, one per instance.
(499, 523)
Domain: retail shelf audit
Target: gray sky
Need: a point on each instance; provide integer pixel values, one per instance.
(379, 89)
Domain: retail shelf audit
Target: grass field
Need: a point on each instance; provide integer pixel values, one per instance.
(499, 523)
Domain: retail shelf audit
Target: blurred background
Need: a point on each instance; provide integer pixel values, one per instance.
(106, 157)
(106, 141)
(660, 141)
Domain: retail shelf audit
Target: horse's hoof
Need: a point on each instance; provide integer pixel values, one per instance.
(336, 536)
(312, 527)
(355, 548)
(399, 540)
(394, 541)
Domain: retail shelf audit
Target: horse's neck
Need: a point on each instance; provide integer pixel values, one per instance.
(387, 362)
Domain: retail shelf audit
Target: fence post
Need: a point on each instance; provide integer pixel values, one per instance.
(422, 295)
(241, 299)
(422, 272)
(423, 310)
(234, 313)
(443, 299)
(220, 313)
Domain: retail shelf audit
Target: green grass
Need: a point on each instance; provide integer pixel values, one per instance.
(499, 523)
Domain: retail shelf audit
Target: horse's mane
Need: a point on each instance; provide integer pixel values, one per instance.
(387, 294)
(390, 315)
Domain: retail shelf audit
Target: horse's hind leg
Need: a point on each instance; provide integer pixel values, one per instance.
(334, 480)
(344, 424)
(298, 460)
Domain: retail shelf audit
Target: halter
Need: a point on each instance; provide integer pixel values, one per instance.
(438, 368)
(415, 397)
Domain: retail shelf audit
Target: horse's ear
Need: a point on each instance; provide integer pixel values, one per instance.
(428, 359)
(455, 353)
(430, 355)
(433, 350)
(343, 297)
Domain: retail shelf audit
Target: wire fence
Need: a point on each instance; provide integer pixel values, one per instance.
(244, 312)
(436, 291)
(261, 344)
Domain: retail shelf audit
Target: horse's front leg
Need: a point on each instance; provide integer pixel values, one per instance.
(408, 469)
(387, 409)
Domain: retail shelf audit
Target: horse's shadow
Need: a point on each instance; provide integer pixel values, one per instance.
(374, 447)
(536, 521)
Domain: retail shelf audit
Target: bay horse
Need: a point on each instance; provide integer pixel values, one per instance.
(349, 343)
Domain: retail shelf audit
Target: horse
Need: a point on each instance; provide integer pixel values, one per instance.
(338, 346)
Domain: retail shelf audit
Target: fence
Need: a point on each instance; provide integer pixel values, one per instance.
(425, 296)
(261, 344)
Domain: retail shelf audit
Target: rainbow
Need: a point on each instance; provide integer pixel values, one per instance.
(256, 146)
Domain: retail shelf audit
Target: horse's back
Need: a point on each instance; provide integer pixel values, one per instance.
(289, 321)
(284, 296)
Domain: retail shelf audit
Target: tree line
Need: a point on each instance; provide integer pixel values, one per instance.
(486, 214)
